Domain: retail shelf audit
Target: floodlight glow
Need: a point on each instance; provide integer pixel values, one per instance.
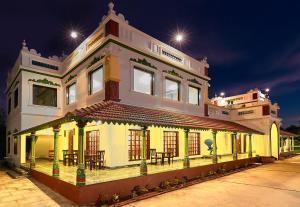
(74, 34)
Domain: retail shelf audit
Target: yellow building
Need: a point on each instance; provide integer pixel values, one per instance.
(124, 104)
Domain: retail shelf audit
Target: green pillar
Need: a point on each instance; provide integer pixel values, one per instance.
(214, 156)
(33, 144)
(143, 166)
(80, 174)
(186, 161)
(250, 146)
(282, 144)
(235, 155)
(55, 171)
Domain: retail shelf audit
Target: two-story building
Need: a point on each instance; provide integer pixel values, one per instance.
(123, 98)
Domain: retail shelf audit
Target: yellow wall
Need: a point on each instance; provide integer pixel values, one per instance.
(114, 141)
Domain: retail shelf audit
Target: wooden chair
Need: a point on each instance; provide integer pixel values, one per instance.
(154, 156)
(172, 154)
(100, 159)
(51, 155)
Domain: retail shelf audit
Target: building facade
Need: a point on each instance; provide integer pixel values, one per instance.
(124, 92)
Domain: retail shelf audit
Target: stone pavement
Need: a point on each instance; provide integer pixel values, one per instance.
(26, 192)
(272, 185)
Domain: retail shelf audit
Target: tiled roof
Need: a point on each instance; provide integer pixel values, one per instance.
(122, 113)
(286, 133)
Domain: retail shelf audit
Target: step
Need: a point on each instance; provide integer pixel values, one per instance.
(14, 174)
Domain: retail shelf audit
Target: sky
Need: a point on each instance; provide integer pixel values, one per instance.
(249, 44)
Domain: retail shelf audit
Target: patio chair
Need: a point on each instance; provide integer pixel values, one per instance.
(51, 155)
(154, 156)
(100, 159)
(172, 154)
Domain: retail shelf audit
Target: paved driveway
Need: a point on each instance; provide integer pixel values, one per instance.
(270, 185)
(25, 192)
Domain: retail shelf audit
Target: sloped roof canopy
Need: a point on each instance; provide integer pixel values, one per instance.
(121, 113)
(284, 133)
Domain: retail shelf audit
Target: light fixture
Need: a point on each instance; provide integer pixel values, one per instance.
(179, 37)
(74, 34)
(222, 94)
(267, 90)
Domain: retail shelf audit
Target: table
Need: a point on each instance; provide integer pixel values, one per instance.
(163, 156)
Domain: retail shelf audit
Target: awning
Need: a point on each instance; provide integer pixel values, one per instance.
(115, 112)
(284, 133)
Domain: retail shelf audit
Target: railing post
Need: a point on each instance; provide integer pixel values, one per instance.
(80, 174)
(55, 170)
(186, 161)
(143, 166)
(234, 137)
(214, 156)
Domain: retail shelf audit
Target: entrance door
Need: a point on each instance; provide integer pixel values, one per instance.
(92, 142)
(71, 140)
(239, 144)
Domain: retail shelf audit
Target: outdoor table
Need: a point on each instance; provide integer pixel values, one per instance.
(163, 156)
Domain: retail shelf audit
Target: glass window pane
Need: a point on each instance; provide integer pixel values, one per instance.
(172, 90)
(193, 95)
(97, 81)
(44, 96)
(143, 81)
(71, 96)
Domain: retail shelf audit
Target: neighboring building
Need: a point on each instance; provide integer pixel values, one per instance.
(253, 109)
(124, 92)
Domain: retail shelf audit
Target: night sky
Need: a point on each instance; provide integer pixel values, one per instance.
(249, 44)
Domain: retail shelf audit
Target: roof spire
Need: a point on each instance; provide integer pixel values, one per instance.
(24, 45)
(111, 6)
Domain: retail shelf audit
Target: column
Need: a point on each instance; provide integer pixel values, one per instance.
(33, 144)
(55, 169)
(282, 144)
(214, 156)
(143, 166)
(235, 155)
(186, 161)
(80, 174)
(293, 143)
(250, 146)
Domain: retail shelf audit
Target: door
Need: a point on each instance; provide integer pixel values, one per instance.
(239, 144)
(92, 142)
(71, 140)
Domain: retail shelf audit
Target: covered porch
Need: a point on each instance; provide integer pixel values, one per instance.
(134, 141)
(287, 142)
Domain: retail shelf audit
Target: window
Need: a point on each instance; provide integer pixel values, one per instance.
(194, 95)
(172, 90)
(9, 105)
(143, 81)
(71, 94)
(194, 143)
(171, 143)
(16, 97)
(96, 81)
(44, 96)
(44, 65)
(134, 145)
(92, 142)
(15, 145)
(8, 145)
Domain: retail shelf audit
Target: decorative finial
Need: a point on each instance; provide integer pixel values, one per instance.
(24, 45)
(111, 6)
